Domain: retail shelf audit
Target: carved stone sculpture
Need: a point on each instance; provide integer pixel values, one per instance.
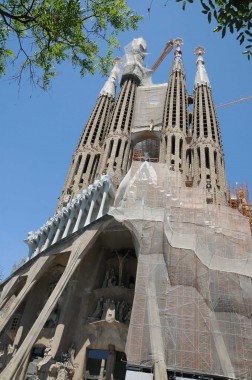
(121, 311)
(99, 308)
(10, 349)
(112, 281)
(127, 316)
(106, 278)
(62, 371)
(47, 356)
(105, 308)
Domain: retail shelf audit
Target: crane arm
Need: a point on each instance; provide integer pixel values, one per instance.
(168, 47)
(234, 102)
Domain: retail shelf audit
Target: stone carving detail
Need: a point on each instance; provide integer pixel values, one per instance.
(110, 310)
(47, 356)
(99, 308)
(68, 357)
(33, 236)
(127, 316)
(10, 349)
(60, 371)
(110, 279)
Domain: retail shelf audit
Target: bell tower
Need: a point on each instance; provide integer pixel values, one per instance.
(175, 117)
(85, 161)
(209, 167)
(116, 150)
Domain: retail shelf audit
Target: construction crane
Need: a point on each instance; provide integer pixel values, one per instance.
(234, 102)
(168, 47)
(177, 42)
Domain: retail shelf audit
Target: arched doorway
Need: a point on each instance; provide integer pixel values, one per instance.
(147, 149)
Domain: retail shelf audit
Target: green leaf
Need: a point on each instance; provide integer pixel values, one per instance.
(218, 28)
(204, 5)
(223, 32)
(209, 17)
(211, 4)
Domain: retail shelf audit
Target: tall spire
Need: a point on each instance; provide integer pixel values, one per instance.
(201, 74)
(83, 169)
(110, 85)
(116, 150)
(209, 168)
(175, 117)
(177, 63)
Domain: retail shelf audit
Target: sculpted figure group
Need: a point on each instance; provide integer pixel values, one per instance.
(122, 310)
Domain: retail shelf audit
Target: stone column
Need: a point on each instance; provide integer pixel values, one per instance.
(50, 235)
(80, 248)
(81, 210)
(32, 247)
(36, 272)
(60, 227)
(91, 208)
(69, 222)
(110, 365)
(40, 243)
(104, 197)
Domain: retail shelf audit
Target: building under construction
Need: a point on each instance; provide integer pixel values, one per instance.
(144, 271)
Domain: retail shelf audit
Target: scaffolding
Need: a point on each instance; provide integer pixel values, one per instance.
(238, 198)
(193, 296)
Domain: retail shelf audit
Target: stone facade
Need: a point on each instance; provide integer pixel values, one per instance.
(71, 311)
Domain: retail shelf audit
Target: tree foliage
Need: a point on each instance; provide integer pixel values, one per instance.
(36, 35)
(234, 16)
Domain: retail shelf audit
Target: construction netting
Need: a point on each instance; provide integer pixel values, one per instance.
(193, 297)
(149, 107)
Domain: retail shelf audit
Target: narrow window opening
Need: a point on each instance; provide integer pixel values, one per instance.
(207, 158)
(173, 140)
(86, 164)
(118, 148)
(110, 148)
(199, 158)
(78, 165)
(180, 148)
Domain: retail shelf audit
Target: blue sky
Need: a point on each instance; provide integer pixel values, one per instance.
(40, 130)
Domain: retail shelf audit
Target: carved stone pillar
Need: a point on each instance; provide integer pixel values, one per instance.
(110, 366)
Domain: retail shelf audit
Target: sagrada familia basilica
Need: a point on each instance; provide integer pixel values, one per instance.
(144, 271)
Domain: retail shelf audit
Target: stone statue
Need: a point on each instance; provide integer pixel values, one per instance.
(127, 316)
(68, 357)
(121, 259)
(105, 282)
(62, 374)
(110, 314)
(105, 308)
(47, 356)
(112, 281)
(71, 354)
(62, 371)
(10, 349)
(121, 311)
(151, 126)
(99, 308)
